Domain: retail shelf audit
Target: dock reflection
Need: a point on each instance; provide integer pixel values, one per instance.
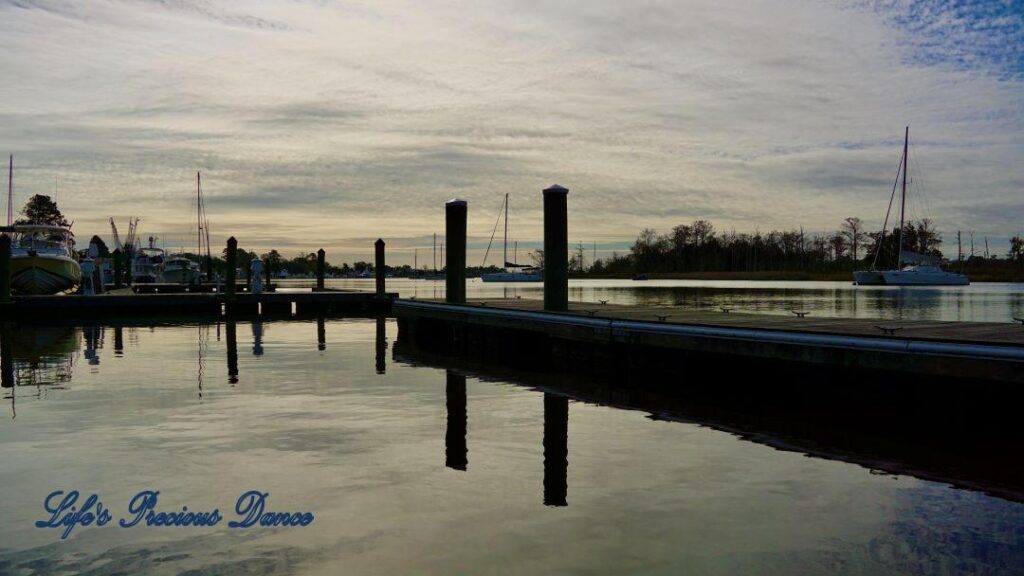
(974, 455)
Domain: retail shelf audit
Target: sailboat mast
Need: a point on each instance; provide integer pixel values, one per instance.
(199, 216)
(10, 190)
(435, 252)
(903, 200)
(504, 251)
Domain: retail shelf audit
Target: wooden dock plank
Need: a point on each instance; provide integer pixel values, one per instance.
(990, 333)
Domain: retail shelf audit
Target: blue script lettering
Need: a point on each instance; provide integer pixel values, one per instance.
(143, 508)
(251, 506)
(63, 512)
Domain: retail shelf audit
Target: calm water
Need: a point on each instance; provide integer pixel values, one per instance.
(410, 469)
(982, 302)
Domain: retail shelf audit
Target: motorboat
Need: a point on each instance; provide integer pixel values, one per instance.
(43, 259)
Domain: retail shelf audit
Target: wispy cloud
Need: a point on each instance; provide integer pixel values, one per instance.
(322, 123)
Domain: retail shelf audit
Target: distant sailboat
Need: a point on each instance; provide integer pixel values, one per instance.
(921, 269)
(519, 272)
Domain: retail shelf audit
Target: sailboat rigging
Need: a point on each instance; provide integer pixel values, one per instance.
(921, 269)
(519, 272)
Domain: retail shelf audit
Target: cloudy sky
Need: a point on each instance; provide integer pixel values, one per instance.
(330, 123)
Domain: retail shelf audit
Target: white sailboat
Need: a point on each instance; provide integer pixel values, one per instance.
(920, 269)
(518, 272)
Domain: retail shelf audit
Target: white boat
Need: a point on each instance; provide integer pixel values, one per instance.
(147, 264)
(180, 270)
(512, 272)
(42, 259)
(921, 269)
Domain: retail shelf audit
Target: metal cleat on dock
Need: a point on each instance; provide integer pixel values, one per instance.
(889, 330)
(800, 313)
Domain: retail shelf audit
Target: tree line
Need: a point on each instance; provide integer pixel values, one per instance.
(699, 247)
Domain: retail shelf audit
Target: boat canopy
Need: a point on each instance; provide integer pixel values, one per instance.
(33, 228)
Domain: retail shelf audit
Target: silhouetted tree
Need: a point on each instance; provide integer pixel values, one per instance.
(41, 209)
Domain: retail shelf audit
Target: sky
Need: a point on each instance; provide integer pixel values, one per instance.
(320, 123)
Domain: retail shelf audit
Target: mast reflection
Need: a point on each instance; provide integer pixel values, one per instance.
(556, 450)
(455, 450)
(118, 341)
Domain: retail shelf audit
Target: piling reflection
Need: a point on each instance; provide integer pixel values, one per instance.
(321, 333)
(977, 454)
(456, 452)
(93, 343)
(257, 337)
(381, 344)
(118, 341)
(231, 339)
(556, 450)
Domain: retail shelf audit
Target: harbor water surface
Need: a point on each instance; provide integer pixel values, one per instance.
(410, 468)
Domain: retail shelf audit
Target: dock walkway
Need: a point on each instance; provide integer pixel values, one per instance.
(985, 350)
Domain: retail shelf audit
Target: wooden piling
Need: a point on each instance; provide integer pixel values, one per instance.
(455, 212)
(320, 268)
(118, 270)
(378, 266)
(5, 269)
(556, 249)
(232, 264)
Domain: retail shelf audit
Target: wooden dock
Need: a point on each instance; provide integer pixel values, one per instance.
(602, 334)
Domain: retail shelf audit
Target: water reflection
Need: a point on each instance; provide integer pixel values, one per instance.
(651, 489)
(321, 333)
(556, 450)
(455, 449)
(231, 338)
(980, 302)
(381, 345)
(257, 337)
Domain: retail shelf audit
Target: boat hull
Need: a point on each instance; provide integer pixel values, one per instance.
(905, 278)
(180, 276)
(44, 274)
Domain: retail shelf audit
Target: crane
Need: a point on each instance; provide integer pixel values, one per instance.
(117, 239)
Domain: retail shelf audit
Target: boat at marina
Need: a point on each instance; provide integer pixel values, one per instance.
(920, 269)
(180, 270)
(148, 263)
(42, 259)
(512, 272)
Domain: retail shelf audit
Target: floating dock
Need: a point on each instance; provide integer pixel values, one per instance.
(600, 336)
